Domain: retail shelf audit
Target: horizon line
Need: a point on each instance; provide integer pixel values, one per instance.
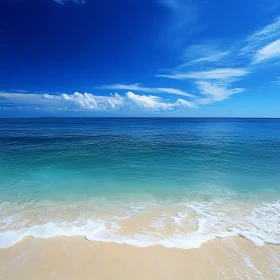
(135, 117)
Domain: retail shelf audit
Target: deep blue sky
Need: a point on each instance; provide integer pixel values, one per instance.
(140, 58)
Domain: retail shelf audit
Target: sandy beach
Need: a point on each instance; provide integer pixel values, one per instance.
(72, 258)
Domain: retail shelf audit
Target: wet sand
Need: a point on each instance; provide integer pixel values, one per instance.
(75, 258)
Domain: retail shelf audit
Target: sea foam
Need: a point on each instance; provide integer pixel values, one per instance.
(259, 225)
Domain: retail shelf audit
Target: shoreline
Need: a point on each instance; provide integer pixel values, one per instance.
(72, 258)
(183, 226)
(175, 228)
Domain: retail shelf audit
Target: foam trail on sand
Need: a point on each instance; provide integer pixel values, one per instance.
(212, 220)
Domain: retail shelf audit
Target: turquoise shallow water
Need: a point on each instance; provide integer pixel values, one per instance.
(88, 165)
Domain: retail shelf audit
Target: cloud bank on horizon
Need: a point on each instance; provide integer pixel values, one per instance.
(209, 70)
(87, 101)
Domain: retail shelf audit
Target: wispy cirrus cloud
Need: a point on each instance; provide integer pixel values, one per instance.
(213, 85)
(203, 53)
(181, 21)
(139, 88)
(215, 92)
(90, 102)
(185, 11)
(261, 37)
(63, 2)
(264, 44)
(216, 74)
(276, 81)
(21, 90)
(213, 70)
(212, 57)
(270, 51)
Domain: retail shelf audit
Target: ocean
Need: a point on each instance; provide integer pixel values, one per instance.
(175, 182)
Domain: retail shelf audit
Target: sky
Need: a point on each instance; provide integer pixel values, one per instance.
(181, 58)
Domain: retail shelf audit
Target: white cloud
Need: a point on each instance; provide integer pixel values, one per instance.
(155, 102)
(216, 74)
(270, 51)
(144, 101)
(90, 102)
(215, 92)
(138, 87)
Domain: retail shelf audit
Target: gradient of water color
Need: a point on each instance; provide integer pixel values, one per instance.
(140, 181)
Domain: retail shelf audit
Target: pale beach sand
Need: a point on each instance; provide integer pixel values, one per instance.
(75, 258)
